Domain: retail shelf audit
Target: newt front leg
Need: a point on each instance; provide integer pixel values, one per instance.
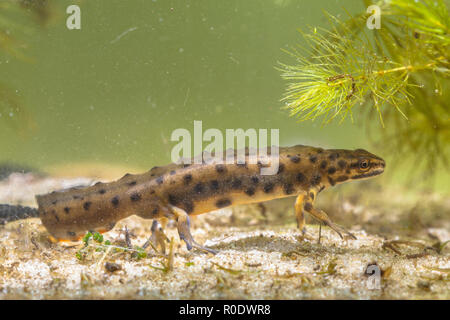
(306, 202)
(299, 215)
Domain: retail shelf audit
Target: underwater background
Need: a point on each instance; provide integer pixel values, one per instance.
(113, 92)
(89, 105)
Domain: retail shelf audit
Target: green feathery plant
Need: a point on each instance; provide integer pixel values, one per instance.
(399, 72)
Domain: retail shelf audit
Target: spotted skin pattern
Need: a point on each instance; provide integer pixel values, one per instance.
(178, 191)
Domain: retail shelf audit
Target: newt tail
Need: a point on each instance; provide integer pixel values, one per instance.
(10, 213)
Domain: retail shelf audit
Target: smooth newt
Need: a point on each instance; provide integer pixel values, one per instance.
(179, 191)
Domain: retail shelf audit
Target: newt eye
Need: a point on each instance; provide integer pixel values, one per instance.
(364, 164)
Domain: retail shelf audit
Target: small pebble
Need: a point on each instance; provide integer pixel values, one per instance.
(112, 267)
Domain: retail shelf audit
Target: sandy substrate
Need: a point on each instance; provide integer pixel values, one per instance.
(401, 238)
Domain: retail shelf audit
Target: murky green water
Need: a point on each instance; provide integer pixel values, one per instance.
(116, 89)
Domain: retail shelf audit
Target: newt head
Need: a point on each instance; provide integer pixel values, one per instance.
(364, 165)
(346, 165)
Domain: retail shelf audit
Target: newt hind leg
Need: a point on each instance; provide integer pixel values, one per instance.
(158, 237)
(183, 226)
(306, 203)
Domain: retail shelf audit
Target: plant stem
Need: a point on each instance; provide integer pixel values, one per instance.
(345, 78)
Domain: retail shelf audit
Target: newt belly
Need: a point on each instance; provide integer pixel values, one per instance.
(177, 191)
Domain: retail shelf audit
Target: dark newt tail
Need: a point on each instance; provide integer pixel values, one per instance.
(10, 213)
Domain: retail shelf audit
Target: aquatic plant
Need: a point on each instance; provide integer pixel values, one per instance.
(398, 74)
(17, 20)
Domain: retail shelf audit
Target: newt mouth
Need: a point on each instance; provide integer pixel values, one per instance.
(369, 174)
